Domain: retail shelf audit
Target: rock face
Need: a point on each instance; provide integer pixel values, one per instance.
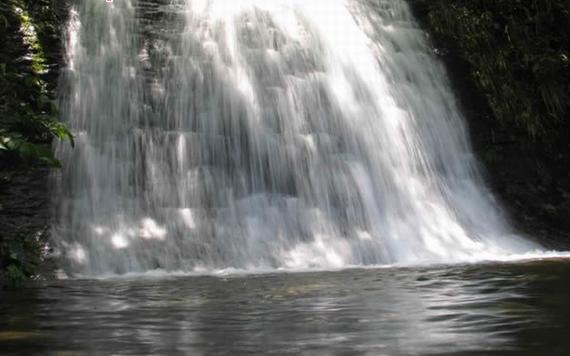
(28, 78)
(530, 175)
(24, 218)
(24, 201)
(531, 179)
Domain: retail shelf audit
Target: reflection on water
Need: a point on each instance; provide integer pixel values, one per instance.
(483, 309)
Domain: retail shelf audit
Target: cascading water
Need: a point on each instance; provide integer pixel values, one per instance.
(263, 134)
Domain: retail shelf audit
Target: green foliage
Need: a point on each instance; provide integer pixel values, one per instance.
(29, 40)
(19, 259)
(27, 151)
(518, 52)
(27, 135)
(27, 113)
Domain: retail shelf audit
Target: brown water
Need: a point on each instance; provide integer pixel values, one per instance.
(486, 309)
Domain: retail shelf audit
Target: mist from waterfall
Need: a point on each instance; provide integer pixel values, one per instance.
(263, 134)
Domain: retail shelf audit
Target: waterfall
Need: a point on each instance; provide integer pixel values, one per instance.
(263, 134)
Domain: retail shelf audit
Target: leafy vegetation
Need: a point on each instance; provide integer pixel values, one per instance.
(27, 114)
(21, 257)
(29, 43)
(518, 52)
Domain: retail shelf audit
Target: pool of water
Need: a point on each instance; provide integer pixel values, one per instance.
(486, 309)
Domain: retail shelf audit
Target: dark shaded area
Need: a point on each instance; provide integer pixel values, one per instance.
(30, 57)
(509, 63)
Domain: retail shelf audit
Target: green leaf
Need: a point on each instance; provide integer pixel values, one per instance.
(60, 131)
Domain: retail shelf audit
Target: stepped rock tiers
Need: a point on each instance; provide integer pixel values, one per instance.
(263, 134)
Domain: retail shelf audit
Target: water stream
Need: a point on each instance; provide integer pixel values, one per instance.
(263, 134)
(482, 309)
(316, 141)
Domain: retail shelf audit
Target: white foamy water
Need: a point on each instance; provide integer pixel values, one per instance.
(264, 134)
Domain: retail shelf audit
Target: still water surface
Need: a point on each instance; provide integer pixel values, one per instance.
(485, 309)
